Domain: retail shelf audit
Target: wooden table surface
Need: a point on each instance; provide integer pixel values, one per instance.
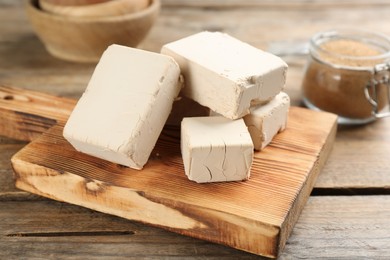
(348, 213)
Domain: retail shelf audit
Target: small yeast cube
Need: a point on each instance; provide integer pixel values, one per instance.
(226, 74)
(125, 105)
(265, 121)
(216, 149)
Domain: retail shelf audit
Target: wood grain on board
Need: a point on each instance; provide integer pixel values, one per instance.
(255, 216)
(26, 114)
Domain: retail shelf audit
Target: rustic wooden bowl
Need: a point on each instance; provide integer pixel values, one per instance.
(109, 8)
(84, 40)
(75, 2)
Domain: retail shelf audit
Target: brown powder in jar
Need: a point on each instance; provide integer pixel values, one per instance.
(341, 90)
(349, 48)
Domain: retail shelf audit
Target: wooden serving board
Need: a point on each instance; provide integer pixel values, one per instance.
(256, 215)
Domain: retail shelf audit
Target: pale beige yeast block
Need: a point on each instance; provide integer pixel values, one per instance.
(125, 106)
(226, 74)
(266, 120)
(216, 149)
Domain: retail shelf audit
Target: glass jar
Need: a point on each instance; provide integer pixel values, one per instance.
(347, 73)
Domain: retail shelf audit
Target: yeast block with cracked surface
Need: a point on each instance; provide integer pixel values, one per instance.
(267, 120)
(226, 74)
(124, 108)
(216, 149)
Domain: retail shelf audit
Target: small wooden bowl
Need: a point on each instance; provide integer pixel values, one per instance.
(109, 8)
(75, 2)
(84, 40)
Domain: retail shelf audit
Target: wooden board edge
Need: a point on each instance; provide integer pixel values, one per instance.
(23, 126)
(26, 114)
(190, 220)
(307, 187)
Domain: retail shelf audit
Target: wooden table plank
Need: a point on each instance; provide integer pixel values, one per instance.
(62, 230)
(258, 26)
(275, 4)
(7, 181)
(358, 164)
(360, 160)
(351, 227)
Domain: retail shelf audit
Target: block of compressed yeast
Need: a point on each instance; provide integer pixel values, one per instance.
(185, 107)
(125, 105)
(226, 74)
(216, 149)
(265, 121)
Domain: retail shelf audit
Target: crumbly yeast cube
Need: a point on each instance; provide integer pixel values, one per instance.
(226, 74)
(125, 105)
(216, 149)
(265, 121)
